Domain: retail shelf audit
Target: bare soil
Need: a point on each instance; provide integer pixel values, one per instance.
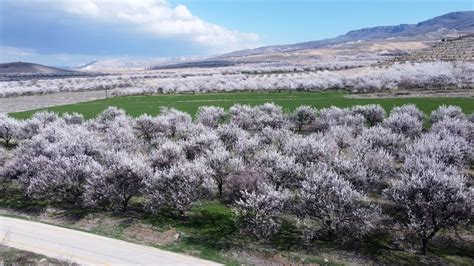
(30, 102)
(152, 236)
(12, 256)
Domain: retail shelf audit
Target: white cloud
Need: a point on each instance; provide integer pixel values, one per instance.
(86, 7)
(14, 54)
(159, 18)
(16, 51)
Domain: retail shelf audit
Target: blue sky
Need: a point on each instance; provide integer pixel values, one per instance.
(73, 32)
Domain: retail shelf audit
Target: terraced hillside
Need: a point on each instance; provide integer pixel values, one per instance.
(456, 49)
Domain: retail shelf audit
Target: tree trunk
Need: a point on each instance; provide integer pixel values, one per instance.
(124, 206)
(330, 235)
(219, 186)
(7, 142)
(424, 249)
(125, 203)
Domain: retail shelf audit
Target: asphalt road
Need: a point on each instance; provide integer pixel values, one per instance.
(84, 248)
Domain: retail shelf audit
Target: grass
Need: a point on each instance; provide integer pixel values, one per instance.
(151, 104)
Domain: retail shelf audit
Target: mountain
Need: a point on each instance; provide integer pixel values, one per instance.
(85, 66)
(106, 64)
(113, 64)
(30, 68)
(456, 23)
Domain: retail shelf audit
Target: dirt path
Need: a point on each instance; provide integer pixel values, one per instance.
(29, 102)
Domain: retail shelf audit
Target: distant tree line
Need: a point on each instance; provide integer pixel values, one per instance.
(434, 75)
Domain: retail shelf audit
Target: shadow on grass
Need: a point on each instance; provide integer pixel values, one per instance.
(446, 247)
(208, 231)
(11, 197)
(288, 238)
(209, 225)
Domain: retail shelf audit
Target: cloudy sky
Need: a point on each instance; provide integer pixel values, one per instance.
(73, 32)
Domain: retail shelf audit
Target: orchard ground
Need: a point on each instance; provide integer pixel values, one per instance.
(151, 104)
(210, 233)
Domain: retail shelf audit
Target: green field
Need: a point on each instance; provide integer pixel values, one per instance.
(137, 105)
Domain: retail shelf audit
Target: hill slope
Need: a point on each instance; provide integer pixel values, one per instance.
(30, 68)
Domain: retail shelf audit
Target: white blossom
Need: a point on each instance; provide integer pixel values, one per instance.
(229, 134)
(177, 188)
(74, 118)
(10, 128)
(430, 197)
(405, 124)
(446, 112)
(280, 170)
(311, 149)
(444, 147)
(338, 207)
(302, 116)
(258, 211)
(222, 164)
(121, 179)
(409, 109)
(373, 113)
(210, 116)
(167, 154)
